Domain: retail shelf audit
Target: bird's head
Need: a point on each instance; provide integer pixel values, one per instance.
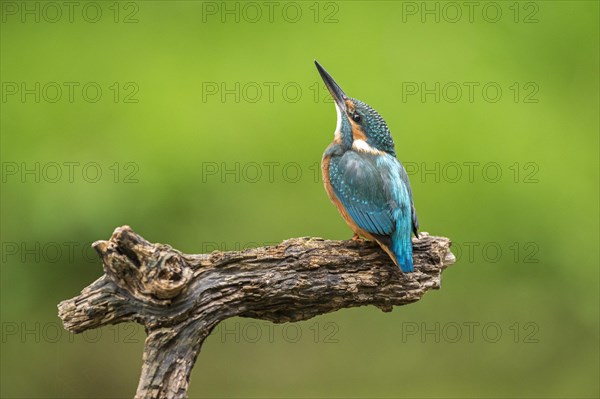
(358, 125)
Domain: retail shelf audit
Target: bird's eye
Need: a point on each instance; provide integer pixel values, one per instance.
(356, 117)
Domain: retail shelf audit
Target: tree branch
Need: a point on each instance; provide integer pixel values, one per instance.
(180, 298)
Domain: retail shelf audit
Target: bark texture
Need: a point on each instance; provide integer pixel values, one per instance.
(180, 298)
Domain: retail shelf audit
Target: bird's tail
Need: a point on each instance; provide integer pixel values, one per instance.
(402, 247)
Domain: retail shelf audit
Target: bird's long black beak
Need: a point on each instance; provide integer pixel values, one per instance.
(336, 91)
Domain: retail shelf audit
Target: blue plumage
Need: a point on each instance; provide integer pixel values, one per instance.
(365, 180)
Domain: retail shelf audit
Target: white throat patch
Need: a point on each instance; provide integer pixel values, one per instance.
(338, 125)
(363, 146)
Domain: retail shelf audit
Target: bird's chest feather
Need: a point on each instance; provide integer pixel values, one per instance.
(364, 178)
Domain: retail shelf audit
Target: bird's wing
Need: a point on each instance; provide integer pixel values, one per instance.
(415, 220)
(362, 184)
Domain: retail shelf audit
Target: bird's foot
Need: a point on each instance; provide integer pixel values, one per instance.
(356, 237)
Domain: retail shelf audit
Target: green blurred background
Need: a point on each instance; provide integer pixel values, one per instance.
(191, 153)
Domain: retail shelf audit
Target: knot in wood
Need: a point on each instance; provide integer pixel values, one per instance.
(148, 272)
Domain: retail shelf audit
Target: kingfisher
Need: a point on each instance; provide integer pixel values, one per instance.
(364, 179)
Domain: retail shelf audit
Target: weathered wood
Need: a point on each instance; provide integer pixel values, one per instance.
(180, 298)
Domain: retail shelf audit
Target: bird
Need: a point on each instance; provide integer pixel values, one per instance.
(365, 180)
